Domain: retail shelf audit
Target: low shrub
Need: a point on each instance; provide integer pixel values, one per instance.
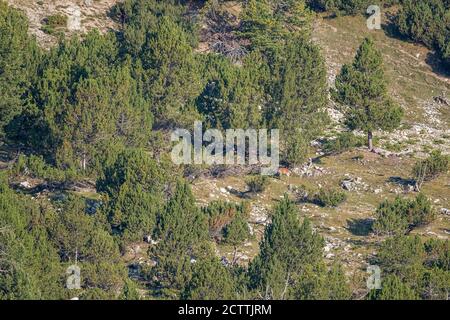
(36, 167)
(402, 215)
(257, 184)
(329, 197)
(430, 168)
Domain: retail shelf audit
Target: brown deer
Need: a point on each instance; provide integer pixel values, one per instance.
(283, 172)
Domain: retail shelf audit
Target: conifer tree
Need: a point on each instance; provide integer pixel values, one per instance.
(287, 248)
(182, 229)
(404, 257)
(29, 263)
(393, 288)
(211, 280)
(298, 98)
(233, 96)
(133, 186)
(18, 58)
(236, 232)
(361, 87)
(319, 283)
(171, 76)
(83, 239)
(267, 23)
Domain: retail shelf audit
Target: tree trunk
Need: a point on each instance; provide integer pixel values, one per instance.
(370, 140)
(234, 256)
(83, 164)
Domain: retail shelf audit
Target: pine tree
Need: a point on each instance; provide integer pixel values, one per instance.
(391, 219)
(298, 98)
(133, 186)
(319, 283)
(362, 87)
(84, 240)
(403, 256)
(107, 109)
(268, 23)
(233, 96)
(72, 112)
(430, 168)
(287, 248)
(182, 229)
(210, 281)
(236, 232)
(393, 288)
(18, 58)
(29, 264)
(402, 215)
(171, 76)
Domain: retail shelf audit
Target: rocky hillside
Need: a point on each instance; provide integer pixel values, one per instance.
(82, 16)
(416, 83)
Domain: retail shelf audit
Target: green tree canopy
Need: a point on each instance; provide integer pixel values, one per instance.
(361, 87)
(18, 58)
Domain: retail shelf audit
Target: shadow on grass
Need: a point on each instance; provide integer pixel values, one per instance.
(433, 59)
(242, 194)
(401, 181)
(360, 227)
(439, 66)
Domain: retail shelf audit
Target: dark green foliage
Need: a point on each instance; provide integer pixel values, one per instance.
(210, 281)
(288, 249)
(430, 168)
(171, 72)
(83, 104)
(99, 108)
(18, 56)
(436, 281)
(402, 215)
(361, 87)
(318, 283)
(257, 184)
(299, 98)
(267, 23)
(413, 269)
(350, 7)
(130, 291)
(391, 219)
(438, 254)
(329, 197)
(158, 38)
(84, 239)
(29, 264)
(134, 186)
(427, 21)
(183, 232)
(36, 167)
(343, 142)
(54, 22)
(236, 232)
(435, 284)
(393, 288)
(232, 96)
(220, 214)
(403, 256)
(39, 241)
